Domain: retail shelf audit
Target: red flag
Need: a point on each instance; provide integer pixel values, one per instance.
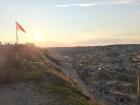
(19, 27)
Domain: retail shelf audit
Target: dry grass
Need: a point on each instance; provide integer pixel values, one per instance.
(25, 64)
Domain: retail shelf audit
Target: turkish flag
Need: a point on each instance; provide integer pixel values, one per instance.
(19, 27)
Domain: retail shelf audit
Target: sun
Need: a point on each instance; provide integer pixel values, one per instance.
(38, 37)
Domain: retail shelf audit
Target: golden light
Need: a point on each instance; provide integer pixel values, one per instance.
(38, 37)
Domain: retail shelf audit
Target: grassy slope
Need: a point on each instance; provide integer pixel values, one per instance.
(48, 83)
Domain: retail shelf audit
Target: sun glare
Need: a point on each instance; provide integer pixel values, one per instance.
(38, 37)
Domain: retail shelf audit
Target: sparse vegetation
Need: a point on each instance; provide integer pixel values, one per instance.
(31, 69)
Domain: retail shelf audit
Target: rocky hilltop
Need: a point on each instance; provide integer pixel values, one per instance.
(30, 76)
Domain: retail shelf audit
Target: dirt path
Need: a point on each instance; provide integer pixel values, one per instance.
(21, 94)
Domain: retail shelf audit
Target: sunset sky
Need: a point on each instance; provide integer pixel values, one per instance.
(71, 22)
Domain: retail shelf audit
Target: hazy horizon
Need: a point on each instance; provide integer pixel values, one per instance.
(71, 22)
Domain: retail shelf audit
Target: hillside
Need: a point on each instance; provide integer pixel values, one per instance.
(29, 76)
(109, 72)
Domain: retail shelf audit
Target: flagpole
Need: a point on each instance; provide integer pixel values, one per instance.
(16, 36)
(18, 28)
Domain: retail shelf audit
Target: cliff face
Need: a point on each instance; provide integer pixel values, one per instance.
(29, 77)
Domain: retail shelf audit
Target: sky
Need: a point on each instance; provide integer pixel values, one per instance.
(71, 22)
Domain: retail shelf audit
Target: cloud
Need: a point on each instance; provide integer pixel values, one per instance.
(77, 5)
(125, 2)
(93, 3)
